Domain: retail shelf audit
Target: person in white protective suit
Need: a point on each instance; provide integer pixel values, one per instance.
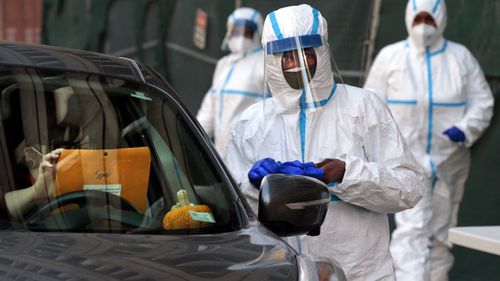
(347, 131)
(238, 78)
(439, 97)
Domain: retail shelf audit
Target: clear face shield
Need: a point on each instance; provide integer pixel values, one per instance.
(240, 36)
(300, 72)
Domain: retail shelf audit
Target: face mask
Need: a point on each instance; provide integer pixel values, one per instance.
(240, 44)
(294, 76)
(423, 35)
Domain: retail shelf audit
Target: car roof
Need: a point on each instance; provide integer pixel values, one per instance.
(51, 57)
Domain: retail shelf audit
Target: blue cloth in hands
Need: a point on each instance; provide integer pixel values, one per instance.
(298, 168)
(260, 169)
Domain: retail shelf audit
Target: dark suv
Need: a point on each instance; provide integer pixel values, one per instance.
(138, 192)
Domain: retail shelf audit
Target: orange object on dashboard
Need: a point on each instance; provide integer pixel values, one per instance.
(123, 172)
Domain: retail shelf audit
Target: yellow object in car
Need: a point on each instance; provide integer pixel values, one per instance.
(186, 215)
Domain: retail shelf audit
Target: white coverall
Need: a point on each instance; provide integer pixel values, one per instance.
(350, 124)
(430, 88)
(238, 82)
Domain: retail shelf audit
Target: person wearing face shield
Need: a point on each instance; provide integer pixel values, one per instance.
(439, 97)
(314, 122)
(238, 78)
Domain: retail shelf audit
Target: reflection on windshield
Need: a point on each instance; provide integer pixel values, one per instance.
(129, 161)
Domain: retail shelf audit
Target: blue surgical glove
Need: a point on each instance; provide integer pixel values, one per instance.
(260, 169)
(455, 134)
(291, 168)
(298, 168)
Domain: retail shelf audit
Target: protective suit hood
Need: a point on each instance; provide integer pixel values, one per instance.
(239, 44)
(437, 9)
(281, 26)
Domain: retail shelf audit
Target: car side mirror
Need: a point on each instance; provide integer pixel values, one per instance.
(292, 205)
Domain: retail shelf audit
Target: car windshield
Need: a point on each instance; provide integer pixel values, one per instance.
(130, 160)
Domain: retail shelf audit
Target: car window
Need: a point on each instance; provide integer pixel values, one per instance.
(130, 160)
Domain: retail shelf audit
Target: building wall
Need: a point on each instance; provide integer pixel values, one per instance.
(21, 20)
(160, 34)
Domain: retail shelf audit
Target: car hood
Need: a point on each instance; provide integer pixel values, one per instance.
(250, 254)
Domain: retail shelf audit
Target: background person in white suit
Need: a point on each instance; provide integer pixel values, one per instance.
(439, 97)
(238, 80)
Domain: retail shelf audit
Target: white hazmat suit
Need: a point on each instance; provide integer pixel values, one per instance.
(350, 124)
(238, 80)
(431, 84)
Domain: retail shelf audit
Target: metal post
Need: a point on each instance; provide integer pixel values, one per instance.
(375, 15)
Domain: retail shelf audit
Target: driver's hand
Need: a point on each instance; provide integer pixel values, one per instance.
(334, 170)
(44, 185)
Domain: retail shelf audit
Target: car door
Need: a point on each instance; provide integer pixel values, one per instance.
(23, 131)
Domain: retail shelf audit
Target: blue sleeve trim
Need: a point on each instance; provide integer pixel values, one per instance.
(414, 5)
(248, 23)
(243, 93)
(405, 102)
(316, 22)
(287, 44)
(275, 25)
(334, 198)
(449, 104)
(436, 6)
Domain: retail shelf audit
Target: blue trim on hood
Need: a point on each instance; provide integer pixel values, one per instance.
(255, 13)
(436, 6)
(276, 27)
(315, 22)
(248, 23)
